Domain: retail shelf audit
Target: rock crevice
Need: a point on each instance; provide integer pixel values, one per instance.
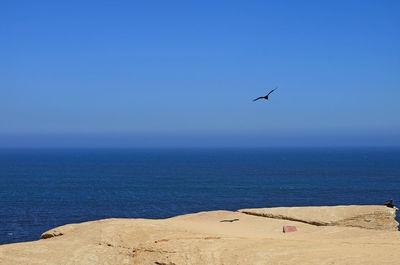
(364, 216)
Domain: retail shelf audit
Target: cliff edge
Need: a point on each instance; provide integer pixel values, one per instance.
(363, 216)
(221, 237)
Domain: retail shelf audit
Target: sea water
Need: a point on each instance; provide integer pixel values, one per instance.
(43, 189)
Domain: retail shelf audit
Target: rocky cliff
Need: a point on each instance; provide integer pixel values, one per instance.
(222, 237)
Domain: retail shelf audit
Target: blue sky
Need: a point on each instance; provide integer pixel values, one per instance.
(183, 73)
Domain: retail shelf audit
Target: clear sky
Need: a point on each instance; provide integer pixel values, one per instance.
(184, 73)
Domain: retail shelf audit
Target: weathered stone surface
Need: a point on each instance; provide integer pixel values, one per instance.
(50, 234)
(202, 238)
(364, 216)
(58, 231)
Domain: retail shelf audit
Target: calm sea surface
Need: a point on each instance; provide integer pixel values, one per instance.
(42, 189)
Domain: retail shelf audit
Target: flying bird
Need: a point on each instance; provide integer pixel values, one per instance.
(232, 220)
(266, 97)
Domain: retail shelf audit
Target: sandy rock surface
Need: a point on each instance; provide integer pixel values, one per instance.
(202, 238)
(364, 216)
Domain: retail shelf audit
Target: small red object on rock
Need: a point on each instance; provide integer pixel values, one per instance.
(288, 228)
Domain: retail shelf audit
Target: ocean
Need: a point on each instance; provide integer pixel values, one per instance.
(43, 189)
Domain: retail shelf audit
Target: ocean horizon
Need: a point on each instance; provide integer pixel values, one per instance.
(44, 188)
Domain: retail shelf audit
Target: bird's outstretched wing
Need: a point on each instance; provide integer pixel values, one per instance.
(258, 98)
(272, 91)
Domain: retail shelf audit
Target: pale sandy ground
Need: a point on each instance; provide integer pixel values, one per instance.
(202, 239)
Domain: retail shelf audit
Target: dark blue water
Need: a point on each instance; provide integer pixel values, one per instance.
(42, 189)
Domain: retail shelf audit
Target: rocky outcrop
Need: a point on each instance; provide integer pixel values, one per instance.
(202, 238)
(58, 231)
(51, 233)
(363, 216)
